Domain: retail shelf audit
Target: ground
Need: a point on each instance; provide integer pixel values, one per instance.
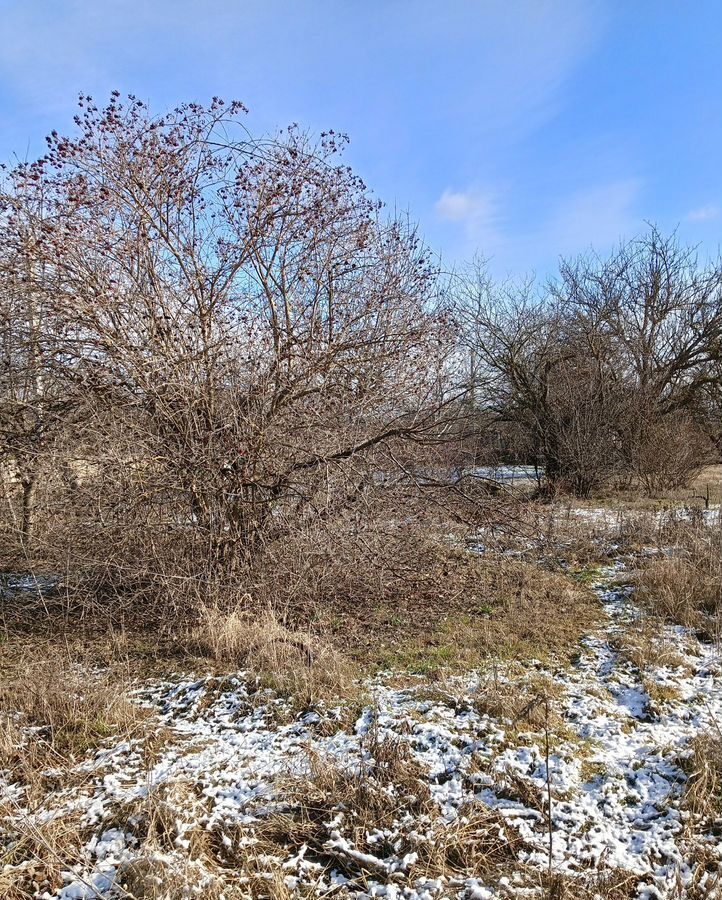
(446, 771)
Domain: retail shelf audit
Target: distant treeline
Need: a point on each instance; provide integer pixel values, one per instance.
(612, 371)
(212, 345)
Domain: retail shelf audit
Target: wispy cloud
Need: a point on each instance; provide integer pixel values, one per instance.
(596, 216)
(703, 213)
(477, 211)
(464, 206)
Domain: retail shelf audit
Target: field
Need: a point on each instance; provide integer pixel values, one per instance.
(354, 545)
(547, 727)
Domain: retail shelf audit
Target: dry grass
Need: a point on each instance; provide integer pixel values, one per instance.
(386, 792)
(646, 646)
(560, 538)
(452, 612)
(391, 597)
(475, 609)
(638, 497)
(35, 852)
(476, 844)
(72, 707)
(685, 584)
(152, 876)
(610, 884)
(500, 694)
(702, 799)
(703, 788)
(53, 712)
(292, 663)
(370, 794)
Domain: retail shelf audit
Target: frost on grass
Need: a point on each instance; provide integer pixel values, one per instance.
(431, 791)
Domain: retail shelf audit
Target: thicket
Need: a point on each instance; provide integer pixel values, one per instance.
(226, 371)
(610, 373)
(220, 358)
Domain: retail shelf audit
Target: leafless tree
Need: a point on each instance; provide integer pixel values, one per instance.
(590, 370)
(662, 308)
(255, 345)
(35, 402)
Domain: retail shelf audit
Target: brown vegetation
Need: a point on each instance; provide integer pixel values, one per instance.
(610, 376)
(292, 663)
(683, 583)
(237, 431)
(214, 344)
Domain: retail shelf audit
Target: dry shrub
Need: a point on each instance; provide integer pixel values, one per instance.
(305, 572)
(293, 663)
(669, 453)
(381, 555)
(686, 587)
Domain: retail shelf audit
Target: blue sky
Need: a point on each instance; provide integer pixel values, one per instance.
(518, 129)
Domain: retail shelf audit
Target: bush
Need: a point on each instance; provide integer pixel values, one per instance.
(668, 453)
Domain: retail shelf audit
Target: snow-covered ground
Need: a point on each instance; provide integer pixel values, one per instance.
(504, 473)
(615, 739)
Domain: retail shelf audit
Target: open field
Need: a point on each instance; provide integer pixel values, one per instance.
(707, 486)
(497, 750)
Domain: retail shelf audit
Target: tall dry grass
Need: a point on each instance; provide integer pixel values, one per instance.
(292, 662)
(683, 583)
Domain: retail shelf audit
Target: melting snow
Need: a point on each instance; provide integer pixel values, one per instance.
(614, 770)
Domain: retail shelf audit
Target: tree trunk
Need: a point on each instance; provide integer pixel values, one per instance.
(29, 485)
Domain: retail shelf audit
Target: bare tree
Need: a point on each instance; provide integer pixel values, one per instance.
(662, 308)
(591, 370)
(543, 381)
(255, 344)
(34, 399)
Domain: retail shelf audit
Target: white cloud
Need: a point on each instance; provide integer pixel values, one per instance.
(477, 212)
(703, 213)
(463, 206)
(596, 216)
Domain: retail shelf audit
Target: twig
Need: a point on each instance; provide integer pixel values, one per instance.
(549, 783)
